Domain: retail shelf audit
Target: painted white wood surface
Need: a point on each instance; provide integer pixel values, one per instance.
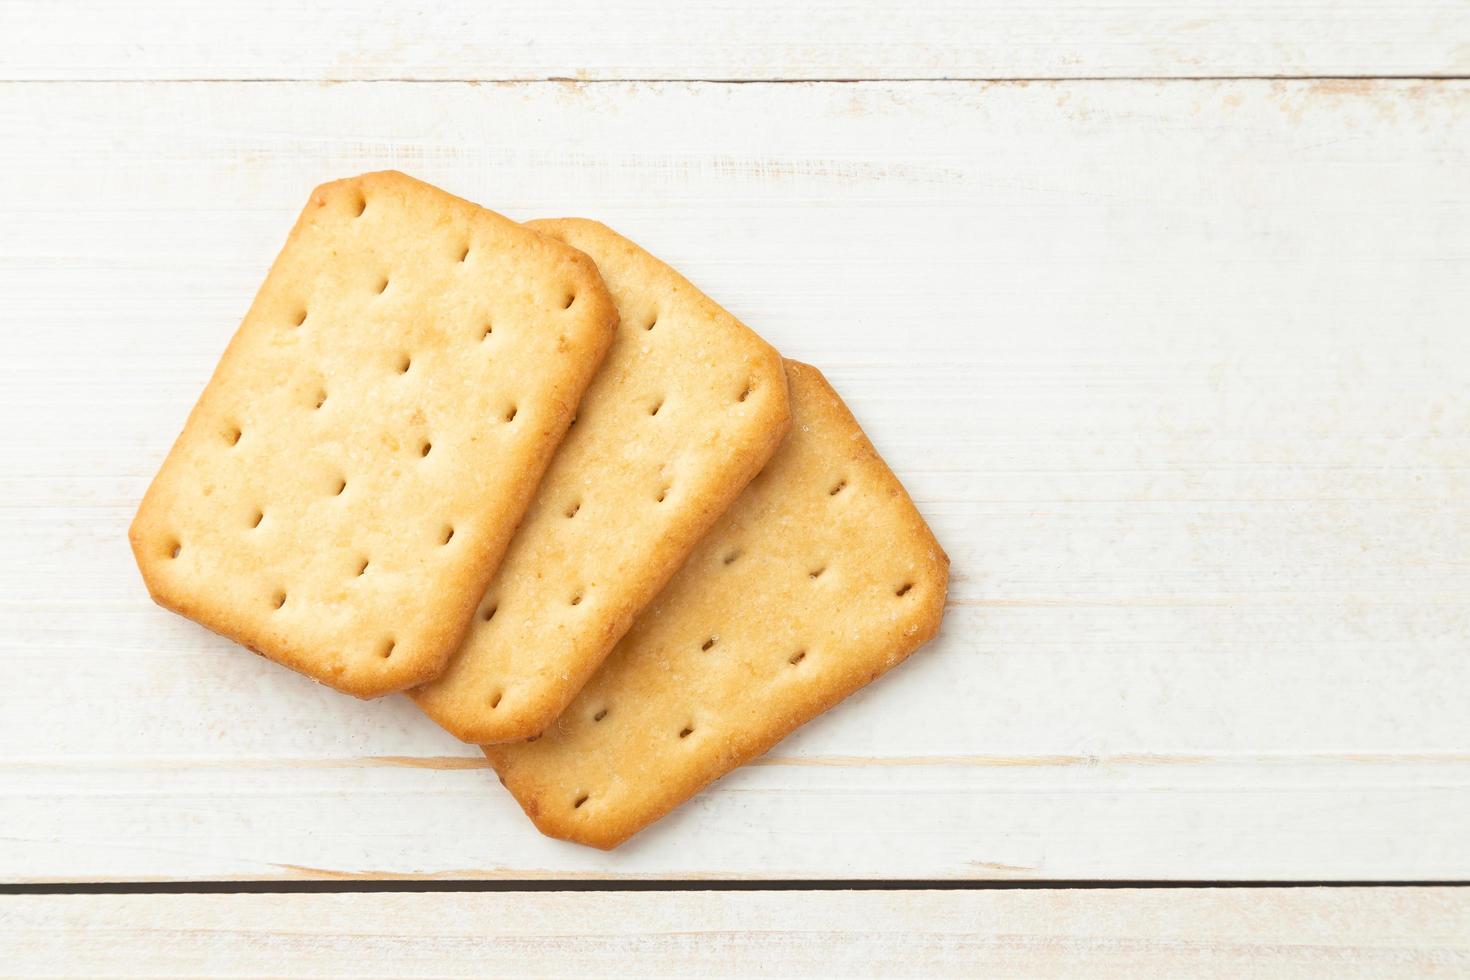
(1124, 933)
(1176, 370)
(731, 39)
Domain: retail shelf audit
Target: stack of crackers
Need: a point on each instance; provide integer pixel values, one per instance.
(532, 477)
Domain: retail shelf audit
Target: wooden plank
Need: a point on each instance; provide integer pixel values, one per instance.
(748, 40)
(1177, 371)
(1304, 932)
(802, 816)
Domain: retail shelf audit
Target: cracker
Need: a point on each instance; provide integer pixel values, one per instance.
(687, 408)
(821, 577)
(349, 479)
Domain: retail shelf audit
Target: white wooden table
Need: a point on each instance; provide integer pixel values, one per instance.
(1160, 310)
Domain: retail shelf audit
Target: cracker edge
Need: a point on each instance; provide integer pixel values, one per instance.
(450, 636)
(535, 714)
(926, 618)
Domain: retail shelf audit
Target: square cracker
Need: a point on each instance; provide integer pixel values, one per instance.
(688, 406)
(821, 577)
(349, 479)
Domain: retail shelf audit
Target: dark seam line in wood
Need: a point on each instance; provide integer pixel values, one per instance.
(567, 80)
(574, 885)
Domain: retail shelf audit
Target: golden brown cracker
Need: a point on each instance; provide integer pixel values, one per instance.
(822, 576)
(348, 481)
(688, 406)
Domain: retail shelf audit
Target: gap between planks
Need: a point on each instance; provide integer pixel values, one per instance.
(654, 80)
(340, 882)
(457, 762)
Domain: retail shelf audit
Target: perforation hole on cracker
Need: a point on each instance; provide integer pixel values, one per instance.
(489, 613)
(387, 649)
(446, 534)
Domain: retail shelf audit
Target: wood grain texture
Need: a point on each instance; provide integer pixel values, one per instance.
(747, 40)
(1125, 933)
(1176, 372)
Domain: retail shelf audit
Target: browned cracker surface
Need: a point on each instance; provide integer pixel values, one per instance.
(687, 407)
(349, 479)
(819, 578)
